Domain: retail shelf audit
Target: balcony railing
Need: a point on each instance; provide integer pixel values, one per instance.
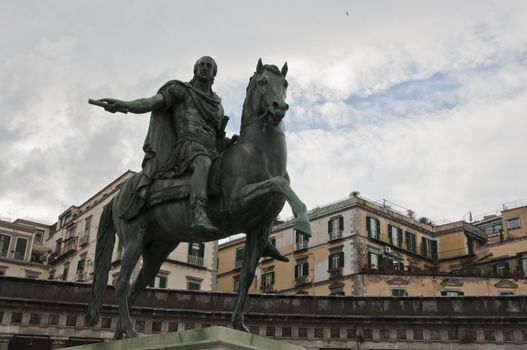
(195, 260)
(19, 255)
(68, 247)
(302, 245)
(335, 273)
(268, 288)
(3, 253)
(81, 275)
(84, 239)
(302, 280)
(516, 274)
(335, 235)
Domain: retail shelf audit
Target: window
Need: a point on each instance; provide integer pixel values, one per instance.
(496, 228)
(53, 319)
(470, 245)
(384, 333)
(236, 283)
(39, 236)
(523, 266)
(193, 284)
(452, 334)
(156, 326)
(505, 293)
(4, 245)
(418, 334)
(301, 269)
(435, 334)
(373, 226)
(508, 335)
(351, 333)
(401, 333)
(65, 272)
(159, 282)
(80, 265)
(410, 241)
(269, 331)
(140, 325)
(334, 333)
(302, 332)
(286, 332)
(16, 317)
(513, 224)
(301, 241)
(500, 268)
(368, 333)
(196, 252)
(375, 261)
(172, 326)
(34, 319)
(451, 293)
(20, 249)
(335, 227)
(398, 292)
(240, 252)
(106, 323)
(87, 225)
(336, 261)
(489, 335)
(71, 320)
(268, 280)
(319, 332)
(429, 248)
(395, 235)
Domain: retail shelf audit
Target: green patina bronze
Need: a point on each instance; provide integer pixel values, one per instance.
(197, 185)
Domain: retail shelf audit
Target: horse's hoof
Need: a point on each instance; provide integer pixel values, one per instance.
(274, 253)
(303, 227)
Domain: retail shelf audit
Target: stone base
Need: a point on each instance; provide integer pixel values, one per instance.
(211, 338)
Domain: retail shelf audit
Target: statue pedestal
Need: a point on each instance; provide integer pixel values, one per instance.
(211, 338)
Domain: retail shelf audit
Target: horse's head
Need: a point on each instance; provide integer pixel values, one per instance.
(266, 95)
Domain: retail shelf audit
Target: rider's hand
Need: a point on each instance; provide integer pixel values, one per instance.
(114, 105)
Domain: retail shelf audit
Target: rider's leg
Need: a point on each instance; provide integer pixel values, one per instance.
(198, 199)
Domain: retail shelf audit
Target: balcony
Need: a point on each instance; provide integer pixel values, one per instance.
(81, 276)
(302, 245)
(69, 246)
(335, 235)
(195, 260)
(302, 280)
(335, 273)
(412, 271)
(84, 240)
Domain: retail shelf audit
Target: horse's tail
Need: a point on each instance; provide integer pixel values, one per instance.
(103, 260)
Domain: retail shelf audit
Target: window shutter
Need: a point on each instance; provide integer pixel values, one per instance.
(506, 266)
(297, 237)
(330, 264)
(369, 260)
(407, 240)
(239, 254)
(297, 274)
(162, 282)
(330, 226)
(434, 250)
(341, 259)
(368, 226)
(423, 246)
(494, 269)
(390, 233)
(189, 248)
(341, 223)
(305, 271)
(201, 252)
(400, 236)
(272, 278)
(380, 260)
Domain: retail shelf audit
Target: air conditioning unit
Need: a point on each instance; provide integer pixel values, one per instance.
(387, 249)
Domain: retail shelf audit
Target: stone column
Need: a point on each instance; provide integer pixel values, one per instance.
(4, 343)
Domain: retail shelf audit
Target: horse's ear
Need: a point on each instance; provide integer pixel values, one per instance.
(284, 70)
(259, 66)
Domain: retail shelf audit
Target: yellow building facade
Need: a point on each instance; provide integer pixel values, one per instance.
(365, 248)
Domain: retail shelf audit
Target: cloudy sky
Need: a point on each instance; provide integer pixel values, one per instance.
(419, 102)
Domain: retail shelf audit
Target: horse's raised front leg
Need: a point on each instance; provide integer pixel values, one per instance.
(133, 244)
(252, 194)
(255, 242)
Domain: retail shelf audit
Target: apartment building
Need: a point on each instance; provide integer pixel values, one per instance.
(365, 248)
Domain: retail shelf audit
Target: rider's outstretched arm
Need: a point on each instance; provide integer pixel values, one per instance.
(142, 105)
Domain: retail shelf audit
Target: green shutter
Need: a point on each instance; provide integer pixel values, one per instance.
(162, 282)
(201, 250)
(506, 266)
(407, 240)
(189, 248)
(330, 265)
(239, 254)
(297, 238)
(305, 272)
(400, 236)
(368, 226)
(434, 250)
(21, 244)
(380, 261)
(369, 260)
(296, 271)
(330, 226)
(341, 223)
(341, 259)
(272, 278)
(423, 246)
(4, 244)
(390, 233)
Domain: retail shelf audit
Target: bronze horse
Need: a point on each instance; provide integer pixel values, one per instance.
(254, 188)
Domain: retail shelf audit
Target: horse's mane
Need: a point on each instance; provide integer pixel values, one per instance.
(269, 67)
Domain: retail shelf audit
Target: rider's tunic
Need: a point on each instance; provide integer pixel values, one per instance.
(197, 117)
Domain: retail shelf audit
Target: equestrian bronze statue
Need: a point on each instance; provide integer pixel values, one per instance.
(197, 185)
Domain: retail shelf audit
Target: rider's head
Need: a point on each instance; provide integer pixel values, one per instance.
(205, 67)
